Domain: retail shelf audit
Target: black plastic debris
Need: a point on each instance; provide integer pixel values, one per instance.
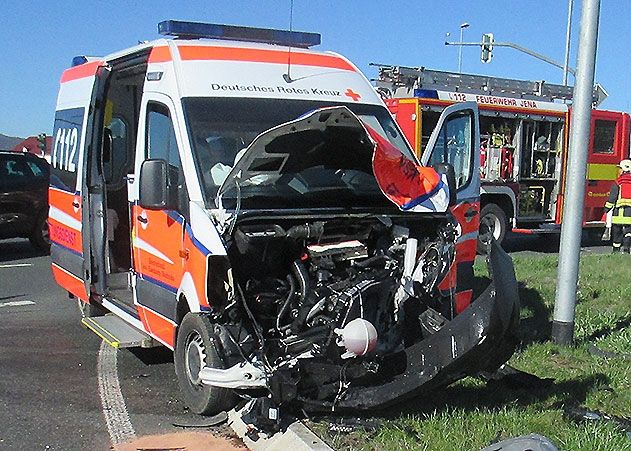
(264, 414)
(215, 420)
(531, 442)
(606, 354)
(583, 415)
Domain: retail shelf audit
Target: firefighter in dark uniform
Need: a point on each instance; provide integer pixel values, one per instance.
(620, 201)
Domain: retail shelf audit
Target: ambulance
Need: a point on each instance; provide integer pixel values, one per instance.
(250, 203)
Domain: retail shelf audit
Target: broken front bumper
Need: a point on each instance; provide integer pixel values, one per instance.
(480, 339)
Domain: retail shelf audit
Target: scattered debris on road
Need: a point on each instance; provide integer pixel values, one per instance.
(189, 441)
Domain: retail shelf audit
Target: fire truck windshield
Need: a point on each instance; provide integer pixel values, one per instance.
(220, 129)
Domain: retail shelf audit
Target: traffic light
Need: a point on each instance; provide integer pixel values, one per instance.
(41, 142)
(487, 48)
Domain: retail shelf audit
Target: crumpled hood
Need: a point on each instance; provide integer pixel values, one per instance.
(401, 179)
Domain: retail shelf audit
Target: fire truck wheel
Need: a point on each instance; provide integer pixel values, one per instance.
(40, 237)
(194, 349)
(492, 226)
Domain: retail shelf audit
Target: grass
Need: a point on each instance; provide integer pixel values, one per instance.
(472, 414)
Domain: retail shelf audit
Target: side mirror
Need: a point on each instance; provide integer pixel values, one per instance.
(448, 170)
(154, 185)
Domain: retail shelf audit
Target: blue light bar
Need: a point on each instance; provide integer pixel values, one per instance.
(79, 60)
(196, 30)
(425, 93)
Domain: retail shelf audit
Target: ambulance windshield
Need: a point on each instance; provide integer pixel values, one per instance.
(325, 170)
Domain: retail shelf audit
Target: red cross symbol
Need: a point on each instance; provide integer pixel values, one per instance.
(353, 95)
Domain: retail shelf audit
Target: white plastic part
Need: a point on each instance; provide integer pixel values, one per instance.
(405, 284)
(409, 260)
(358, 337)
(241, 375)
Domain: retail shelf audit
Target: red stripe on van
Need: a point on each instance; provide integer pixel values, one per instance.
(189, 53)
(157, 326)
(160, 54)
(70, 282)
(81, 71)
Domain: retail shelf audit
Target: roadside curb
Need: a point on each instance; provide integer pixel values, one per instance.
(297, 436)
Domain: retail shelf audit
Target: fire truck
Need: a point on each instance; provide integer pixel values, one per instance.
(524, 129)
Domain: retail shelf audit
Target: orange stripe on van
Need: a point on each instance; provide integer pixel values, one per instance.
(160, 54)
(70, 282)
(81, 71)
(65, 236)
(63, 200)
(189, 53)
(157, 326)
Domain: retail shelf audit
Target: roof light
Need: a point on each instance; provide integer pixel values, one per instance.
(195, 30)
(82, 59)
(426, 93)
(79, 60)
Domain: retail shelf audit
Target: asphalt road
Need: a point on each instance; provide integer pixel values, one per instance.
(49, 380)
(49, 386)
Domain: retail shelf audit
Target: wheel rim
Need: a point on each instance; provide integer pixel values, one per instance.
(493, 226)
(195, 358)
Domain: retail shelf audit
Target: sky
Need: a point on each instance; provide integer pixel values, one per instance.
(42, 37)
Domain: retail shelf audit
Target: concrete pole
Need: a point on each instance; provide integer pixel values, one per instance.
(568, 35)
(571, 228)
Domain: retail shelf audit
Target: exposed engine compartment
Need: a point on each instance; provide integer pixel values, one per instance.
(353, 310)
(316, 296)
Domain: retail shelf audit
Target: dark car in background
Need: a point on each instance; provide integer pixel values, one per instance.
(24, 198)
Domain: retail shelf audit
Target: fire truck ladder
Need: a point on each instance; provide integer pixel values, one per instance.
(401, 81)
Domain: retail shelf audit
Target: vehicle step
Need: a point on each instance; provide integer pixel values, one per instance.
(117, 333)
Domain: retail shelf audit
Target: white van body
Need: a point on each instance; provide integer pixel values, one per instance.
(255, 208)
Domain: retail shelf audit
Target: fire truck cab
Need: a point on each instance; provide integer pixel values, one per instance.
(524, 142)
(251, 204)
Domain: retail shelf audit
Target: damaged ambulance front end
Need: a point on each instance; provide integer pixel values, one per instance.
(339, 288)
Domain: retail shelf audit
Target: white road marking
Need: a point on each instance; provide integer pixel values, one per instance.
(16, 303)
(116, 417)
(16, 265)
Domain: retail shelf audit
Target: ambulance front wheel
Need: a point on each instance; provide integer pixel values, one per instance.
(194, 349)
(492, 226)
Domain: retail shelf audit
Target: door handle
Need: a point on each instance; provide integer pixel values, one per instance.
(470, 213)
(142, 219)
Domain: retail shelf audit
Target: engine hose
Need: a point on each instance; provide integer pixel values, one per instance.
(371, 261)
(287, 303)
(299, 270)
(302, 275)
(313, 230)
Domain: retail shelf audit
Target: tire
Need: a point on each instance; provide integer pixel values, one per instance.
(594, 237)
(194, 349)
(493, 225)
(40, 238)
